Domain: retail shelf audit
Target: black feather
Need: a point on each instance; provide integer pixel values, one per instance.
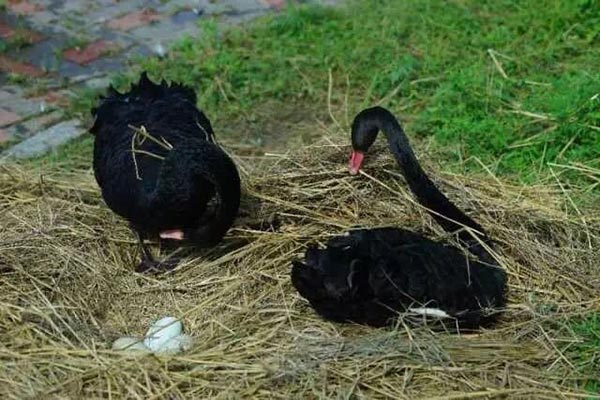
(370, 276)
(171, 189)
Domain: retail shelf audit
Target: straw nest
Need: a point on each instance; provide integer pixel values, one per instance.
(68, 290)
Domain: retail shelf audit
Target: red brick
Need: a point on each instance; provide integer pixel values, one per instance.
(6, 31)
(10, 66)
(23, 7)
(55, 98)
(58, 99)
(4, 136)
(29, 36)
(133, 20)
(276, 4)
(89, 53)
(8, 117)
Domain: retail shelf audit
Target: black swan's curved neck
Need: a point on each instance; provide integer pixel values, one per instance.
(365, 127)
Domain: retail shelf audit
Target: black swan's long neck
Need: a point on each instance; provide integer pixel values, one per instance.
(195, 159)
(367, 124)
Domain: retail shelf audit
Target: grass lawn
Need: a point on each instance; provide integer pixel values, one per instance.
(514, 86)
(510, 88)
(586, 353)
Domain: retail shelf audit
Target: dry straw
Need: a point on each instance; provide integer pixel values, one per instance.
(68, 290)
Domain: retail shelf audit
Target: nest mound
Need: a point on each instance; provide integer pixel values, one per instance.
(68, 290)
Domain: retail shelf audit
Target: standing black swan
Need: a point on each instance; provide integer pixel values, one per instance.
(157, 163)
(370, 276)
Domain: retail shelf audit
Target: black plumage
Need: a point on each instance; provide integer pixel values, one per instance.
(370, 276)
(163, 181)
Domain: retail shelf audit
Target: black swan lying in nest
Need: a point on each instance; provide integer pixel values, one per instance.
(159, 167)
(370, 276)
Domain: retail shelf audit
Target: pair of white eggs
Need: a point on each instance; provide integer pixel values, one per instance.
(164, 337)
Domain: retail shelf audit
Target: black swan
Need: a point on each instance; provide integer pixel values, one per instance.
(370, 276)
(159, 167)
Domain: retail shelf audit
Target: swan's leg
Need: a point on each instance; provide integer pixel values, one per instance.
(149, 263)
(146, 254)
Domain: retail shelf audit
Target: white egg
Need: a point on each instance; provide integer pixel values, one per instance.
(176, 345)
(161, 332)
(130, 344)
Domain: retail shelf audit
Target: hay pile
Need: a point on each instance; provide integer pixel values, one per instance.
(68, 290)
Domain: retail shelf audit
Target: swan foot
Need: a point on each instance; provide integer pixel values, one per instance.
(271, 223)
(148, 266)
(148, 263)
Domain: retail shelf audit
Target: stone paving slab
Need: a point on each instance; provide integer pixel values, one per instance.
(32, 126)
(4, 136)
(45, 141)
(5, 95)
(73, 43)
(168, 29)
(23, 7)
(8, 117)
(23, 107)
(236, 6)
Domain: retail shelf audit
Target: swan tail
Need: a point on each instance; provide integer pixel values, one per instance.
(193, 160)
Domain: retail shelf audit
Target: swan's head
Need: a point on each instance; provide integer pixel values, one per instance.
(331, 275)
(364, 132)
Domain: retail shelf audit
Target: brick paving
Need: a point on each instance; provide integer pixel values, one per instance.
(8, 117)
(89, 53)
(63, 44)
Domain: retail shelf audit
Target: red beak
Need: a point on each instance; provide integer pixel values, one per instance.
(356, 159)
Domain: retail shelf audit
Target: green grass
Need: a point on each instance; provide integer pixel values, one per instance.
(513, 84)
(586, 352)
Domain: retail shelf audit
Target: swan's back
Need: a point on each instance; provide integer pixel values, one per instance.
(400, 270)
(152, 105)
(129, 179)
(396, 270)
